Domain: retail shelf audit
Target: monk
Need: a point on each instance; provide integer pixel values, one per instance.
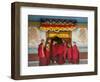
(75, 57)
(60, 53)
(65, 48)
(49, 43)
(41, 55)
(47, 54)
(70, 53)
(54, 52)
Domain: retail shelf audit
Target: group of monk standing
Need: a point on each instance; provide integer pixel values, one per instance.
(50, 52)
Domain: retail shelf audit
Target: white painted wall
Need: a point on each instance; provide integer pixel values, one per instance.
(5, 44)
(80, 39)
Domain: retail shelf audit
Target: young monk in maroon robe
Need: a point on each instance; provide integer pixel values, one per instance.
(54, 52)
(70, 53)
(47, 54)
(75, 54)
(60, 53)
(41, 55)
(49, 42)
(65, 47)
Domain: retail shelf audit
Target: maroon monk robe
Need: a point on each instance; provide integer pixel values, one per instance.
(47, 54)
(69, 54)
(50, 46)
(54, 52)
(75, 54)
(42, 58)
(65, 51)
(60, 52)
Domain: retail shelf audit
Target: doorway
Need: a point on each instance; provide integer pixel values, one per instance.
(66, 35)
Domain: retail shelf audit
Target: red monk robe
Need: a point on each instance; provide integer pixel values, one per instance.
(69, 54)
(49, 42)
(47, 54)
(60, 52)
(75, 54)
(42, 58)
(65, 51)
(54, 52)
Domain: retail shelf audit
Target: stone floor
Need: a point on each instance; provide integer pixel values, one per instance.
(36, 63)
